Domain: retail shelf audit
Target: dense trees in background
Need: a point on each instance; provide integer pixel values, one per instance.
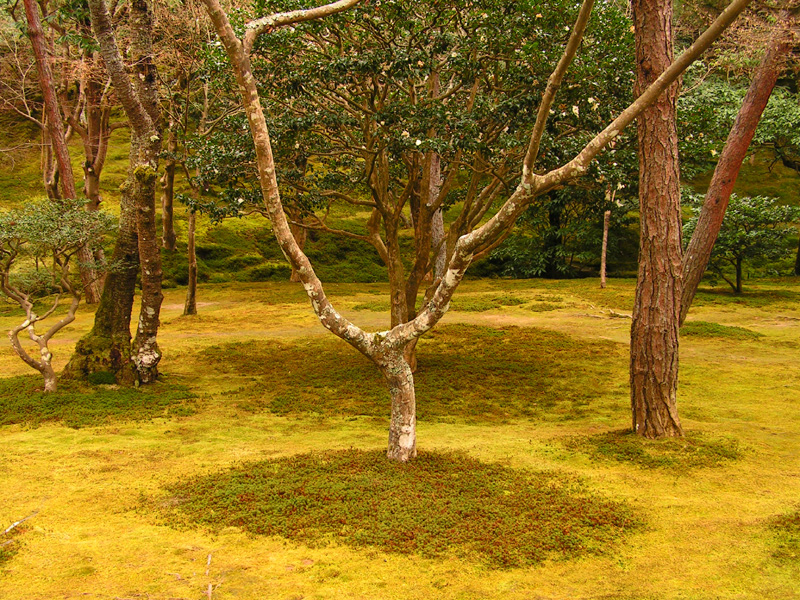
(387, 349)
(454, 131)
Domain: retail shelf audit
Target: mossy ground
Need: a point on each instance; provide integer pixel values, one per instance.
(708, 529)
(443, 504)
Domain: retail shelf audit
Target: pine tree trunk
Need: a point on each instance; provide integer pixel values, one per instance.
(190, 308)
(698, 251)
(654, 330)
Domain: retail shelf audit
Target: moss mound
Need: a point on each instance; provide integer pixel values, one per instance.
(79, 405)
(674, 453)
(786, 530)
(439, 504)
(705, 329)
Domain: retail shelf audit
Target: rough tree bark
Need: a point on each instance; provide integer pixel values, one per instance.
(57, 137)
(656, 311)
(140, 102)
(385, 348)
(698, 251)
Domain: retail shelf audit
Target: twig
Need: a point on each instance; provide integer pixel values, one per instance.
(20, 522)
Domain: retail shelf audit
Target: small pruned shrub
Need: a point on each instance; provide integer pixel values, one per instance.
(677, 454)
(75, 404)
(705, 329)
(439, 504)
(786, 529)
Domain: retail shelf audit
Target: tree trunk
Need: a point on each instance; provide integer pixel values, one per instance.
(300, 235)
(654, 330)
(797, 261)
(190, 308)
(604, 250)
(58, 138)
(137, 242)
(698, 252)
(403, 424)
(107, 347)
(168, 193)
(738, 274)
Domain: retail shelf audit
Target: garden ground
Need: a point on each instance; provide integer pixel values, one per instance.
(522, 379)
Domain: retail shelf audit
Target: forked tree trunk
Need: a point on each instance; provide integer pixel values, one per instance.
(107, 347)
(698, 252)
(137, 237)
(654, 331)
(190, 308)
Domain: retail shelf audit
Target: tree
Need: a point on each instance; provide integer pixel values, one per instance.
(56, 134)
(52, 233)
(754, 228)
(386, 349)
(108, 346)
(709, 221)
(654, 330)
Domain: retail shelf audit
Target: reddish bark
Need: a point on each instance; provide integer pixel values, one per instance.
(654, 331)
(698, 252)
(57, 135)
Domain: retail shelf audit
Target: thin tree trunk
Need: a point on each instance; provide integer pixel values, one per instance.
(654, 330)
(738, 274)
(698, 252)
(604, 250)
(168, 193)
(58, 139)
(190, 308)
(797, 261)
(300, 235)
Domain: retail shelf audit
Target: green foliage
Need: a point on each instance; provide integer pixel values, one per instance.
(77, 405)
(754, 230)
(440, 504)
(50, 232)
(318, 376)
(675, 454)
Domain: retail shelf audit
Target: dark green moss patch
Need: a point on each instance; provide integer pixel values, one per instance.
(786, 530)
(78, 405)
(439, 504)
(476, 373)
(704, 329)
(677, 454)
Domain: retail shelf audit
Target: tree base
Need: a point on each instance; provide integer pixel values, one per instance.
(97, 355)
